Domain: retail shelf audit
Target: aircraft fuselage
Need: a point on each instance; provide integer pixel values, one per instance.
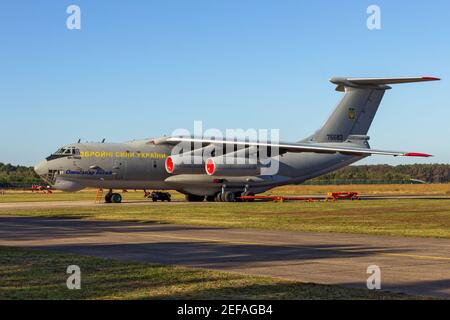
(141, 165)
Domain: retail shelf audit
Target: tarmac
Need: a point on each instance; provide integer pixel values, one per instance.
(77, 204)
(416, 266)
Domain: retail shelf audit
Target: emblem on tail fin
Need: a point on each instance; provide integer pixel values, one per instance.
(351, 113)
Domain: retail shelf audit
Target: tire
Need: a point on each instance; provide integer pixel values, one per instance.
(219, 197)
(108, 198)
(116, 198)
(211, 198)
(228, 197)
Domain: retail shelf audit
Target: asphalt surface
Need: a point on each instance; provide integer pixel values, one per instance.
(418, 266)
(76, 204)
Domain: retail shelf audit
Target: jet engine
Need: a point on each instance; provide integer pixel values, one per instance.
(237, 167)
(185, 165)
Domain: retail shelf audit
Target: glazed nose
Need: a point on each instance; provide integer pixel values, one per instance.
(41, 168)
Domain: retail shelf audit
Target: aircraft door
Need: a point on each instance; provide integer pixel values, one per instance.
(119, 169)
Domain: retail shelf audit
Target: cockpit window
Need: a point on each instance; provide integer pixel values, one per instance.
(64, 152)
(67, 151)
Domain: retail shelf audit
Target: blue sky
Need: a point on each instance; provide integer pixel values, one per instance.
(141, 69)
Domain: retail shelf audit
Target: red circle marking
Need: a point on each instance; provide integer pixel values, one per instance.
(169, 164)
(210, 167)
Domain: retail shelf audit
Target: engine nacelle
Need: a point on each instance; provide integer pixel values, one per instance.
(184, 165)
(219, 167)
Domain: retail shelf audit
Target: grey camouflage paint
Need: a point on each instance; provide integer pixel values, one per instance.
(352, 117)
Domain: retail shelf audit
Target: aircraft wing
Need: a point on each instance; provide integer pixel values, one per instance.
(299, 147)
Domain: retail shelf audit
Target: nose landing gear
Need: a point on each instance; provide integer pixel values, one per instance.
(111, 197)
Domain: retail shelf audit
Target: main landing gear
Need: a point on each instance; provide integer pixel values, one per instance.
(111, 197)
(227, 196)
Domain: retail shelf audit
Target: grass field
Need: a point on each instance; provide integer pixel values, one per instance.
(389, 189)
(28, 196)
(367, 189)
(32, 274)
(423, 218)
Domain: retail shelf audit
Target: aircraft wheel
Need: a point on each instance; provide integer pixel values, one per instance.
(116, 198)
(108, 197)
(219, 197)
(210, 198)
(228, 197)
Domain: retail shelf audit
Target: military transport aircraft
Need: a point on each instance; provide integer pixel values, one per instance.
(153, 164)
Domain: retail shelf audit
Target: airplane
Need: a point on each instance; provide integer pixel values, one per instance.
(152, 164)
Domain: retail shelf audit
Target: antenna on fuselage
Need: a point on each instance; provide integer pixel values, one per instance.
(79, 140)
(103, 141)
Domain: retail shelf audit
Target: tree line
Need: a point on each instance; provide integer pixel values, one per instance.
(10, 174)
(432, 173)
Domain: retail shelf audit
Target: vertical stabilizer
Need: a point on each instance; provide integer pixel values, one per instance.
(357, 109)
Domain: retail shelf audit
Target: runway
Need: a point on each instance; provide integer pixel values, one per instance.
(418, 266)
(78, 203)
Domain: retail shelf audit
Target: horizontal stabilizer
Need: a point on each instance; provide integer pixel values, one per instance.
(343, 82)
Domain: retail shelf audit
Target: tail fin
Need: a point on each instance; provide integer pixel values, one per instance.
(355, 113)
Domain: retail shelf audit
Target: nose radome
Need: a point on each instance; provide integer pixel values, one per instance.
(41, 168)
